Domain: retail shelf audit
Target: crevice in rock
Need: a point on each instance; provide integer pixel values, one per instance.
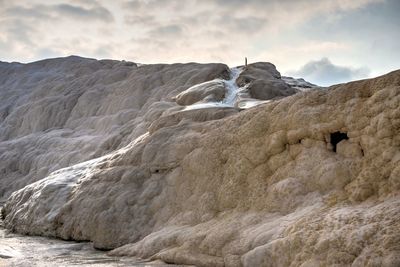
(362, 152)
(2, 213)
(336, 137)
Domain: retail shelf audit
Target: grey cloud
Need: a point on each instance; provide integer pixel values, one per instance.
(220, 3)
(261, 5)
(61, 11)
(24, 28)
(19, 31)
(166, 31)
(141, 4)
(36, 12)
(140, 19)
(104, 51)
(243, 24)
(217, 34)
(131, 4)
(250, 24)
(152, 44)
(203, 16)
(241, 2)
(93, 13)
(271, 3)
(324, 72)
(19, 37)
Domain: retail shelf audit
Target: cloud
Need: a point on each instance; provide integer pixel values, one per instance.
(36, 29)
(248, 24)
(23, 13)
(42, 12)
(20, 31)
(324, 72)
(145, 20)
(173, 30)
(96, 12)
(47, 53)
(152, 31)
(242, 20)
(328, 4)
(145, 4)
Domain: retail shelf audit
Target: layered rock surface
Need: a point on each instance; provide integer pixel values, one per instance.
(59, 112)
(311, 179)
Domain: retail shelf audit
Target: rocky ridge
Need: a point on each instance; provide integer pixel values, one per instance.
(306, 178)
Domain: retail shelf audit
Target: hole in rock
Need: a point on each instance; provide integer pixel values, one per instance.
(336, 137)
(157, 171)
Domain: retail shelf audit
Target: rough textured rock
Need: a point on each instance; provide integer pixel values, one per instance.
(264, 81)
(205, 92)
(259, 70)
(270, 89)
(270, 186)
(58, 112)
(299, 84)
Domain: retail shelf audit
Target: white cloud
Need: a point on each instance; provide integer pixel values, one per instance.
(324, 72)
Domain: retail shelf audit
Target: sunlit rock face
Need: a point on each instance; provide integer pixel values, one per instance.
(310, 179)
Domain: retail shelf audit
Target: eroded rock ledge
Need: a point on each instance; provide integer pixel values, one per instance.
(312, 179)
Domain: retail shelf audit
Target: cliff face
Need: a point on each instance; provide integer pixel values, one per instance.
(310, 179)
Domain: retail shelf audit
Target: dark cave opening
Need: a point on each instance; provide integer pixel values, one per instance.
(336, 137)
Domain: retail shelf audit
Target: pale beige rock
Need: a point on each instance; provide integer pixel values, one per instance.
(264, 82)
(209, 91)
(259, 70)
(59, 112)
(269, 89)
(262, 187)
(347, 149)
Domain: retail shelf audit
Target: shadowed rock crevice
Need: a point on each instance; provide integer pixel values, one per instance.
(337, 137)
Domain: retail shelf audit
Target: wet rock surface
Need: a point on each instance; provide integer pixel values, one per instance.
(17, 250)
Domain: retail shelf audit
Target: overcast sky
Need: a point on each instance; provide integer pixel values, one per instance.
(325, 41)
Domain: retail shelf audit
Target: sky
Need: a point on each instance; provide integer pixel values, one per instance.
(323, 41)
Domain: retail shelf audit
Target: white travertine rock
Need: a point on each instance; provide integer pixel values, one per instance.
(205, 92)
(262, 187)
(299, 84)
(264, 82)
(59, 112)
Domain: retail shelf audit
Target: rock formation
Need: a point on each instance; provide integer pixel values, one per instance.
(307, 178)
(58, 112)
